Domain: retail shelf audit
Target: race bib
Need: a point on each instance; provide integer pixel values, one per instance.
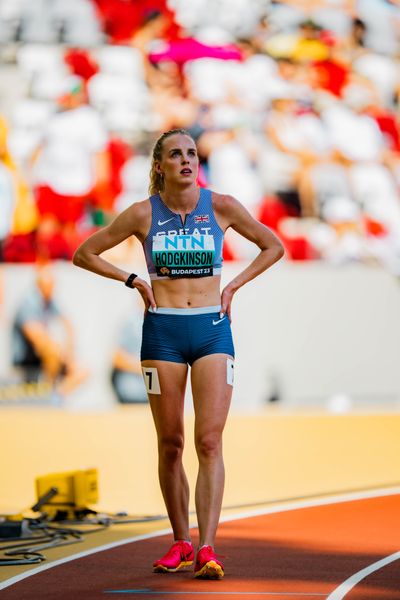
(183, 255)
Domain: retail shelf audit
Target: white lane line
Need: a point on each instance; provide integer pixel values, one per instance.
(66, 559)
(244, 515)
(348, 585)
(298, 504)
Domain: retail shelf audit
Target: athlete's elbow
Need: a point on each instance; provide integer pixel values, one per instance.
(276, 250)
(279, 250)
(78, 258)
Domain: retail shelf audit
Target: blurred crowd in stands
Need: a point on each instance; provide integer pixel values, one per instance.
(294, 105)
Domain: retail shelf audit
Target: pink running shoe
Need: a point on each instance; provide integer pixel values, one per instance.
(207, 565)
(180, 555)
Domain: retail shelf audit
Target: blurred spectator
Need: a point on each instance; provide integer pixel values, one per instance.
(353, 45)
(382, 21)
(330, 74)
(43, 338)
(173, 108)
(360, 144)
(303, 44)
(71, 174)
(126, 374)
(18, 215)
(382, 72)
(296, 159)
(309, 45)
(70, 164)
(121, 19)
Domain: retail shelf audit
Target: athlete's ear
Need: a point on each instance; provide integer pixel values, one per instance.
(157, 167)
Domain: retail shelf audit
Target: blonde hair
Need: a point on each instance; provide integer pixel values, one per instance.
(156, 179)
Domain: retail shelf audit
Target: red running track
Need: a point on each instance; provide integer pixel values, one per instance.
(295, 554)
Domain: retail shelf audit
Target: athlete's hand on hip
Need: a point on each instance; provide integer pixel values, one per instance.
(146, 292)
(226, 300)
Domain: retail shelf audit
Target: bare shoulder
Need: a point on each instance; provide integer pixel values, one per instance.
(223, 203)
(226, 208)
(139, 210)
(137, 218)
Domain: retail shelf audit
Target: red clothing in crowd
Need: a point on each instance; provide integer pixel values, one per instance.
(122, 18)
(66, 209)
(272, 212)
(81, 63)
(119, 152)
(389, 126)
(331, 75)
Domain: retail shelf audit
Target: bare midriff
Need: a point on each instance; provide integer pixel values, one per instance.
(187, 292)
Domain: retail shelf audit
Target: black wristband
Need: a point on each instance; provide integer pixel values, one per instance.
(130, 280)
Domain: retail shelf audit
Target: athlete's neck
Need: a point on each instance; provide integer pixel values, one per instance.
(181, 200)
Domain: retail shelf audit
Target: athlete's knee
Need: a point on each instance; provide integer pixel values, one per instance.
(170, 447)
(209, 445)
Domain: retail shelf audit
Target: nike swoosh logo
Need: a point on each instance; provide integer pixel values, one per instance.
(163, 222)
(219, 321)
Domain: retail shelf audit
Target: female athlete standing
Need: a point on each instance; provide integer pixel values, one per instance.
(187, 322)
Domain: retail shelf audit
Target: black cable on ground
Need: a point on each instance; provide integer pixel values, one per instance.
(26, 546)
(58, 533)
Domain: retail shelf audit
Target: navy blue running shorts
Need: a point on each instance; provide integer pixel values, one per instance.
(182, 335)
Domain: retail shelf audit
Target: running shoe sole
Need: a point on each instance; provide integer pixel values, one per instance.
(163, 569)
(211, 570)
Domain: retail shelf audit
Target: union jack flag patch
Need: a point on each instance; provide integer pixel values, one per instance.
(201, 218)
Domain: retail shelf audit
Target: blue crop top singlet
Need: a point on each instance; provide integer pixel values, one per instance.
(191, 249)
